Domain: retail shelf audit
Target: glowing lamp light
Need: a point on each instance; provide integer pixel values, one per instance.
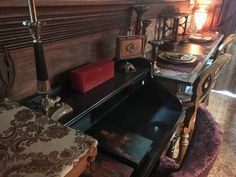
(200, 18)
(194, 49)
(200, 14)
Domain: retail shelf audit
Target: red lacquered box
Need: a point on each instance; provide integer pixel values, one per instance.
(91, 75)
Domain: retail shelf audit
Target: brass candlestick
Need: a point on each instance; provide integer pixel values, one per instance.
(140, 10)
(51, 107)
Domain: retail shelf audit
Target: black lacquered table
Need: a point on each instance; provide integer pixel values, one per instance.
(132, 102)
(203, 50)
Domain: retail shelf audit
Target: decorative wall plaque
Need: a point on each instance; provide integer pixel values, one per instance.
(130, 46)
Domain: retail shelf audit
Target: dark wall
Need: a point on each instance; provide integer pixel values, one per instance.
(75, 33)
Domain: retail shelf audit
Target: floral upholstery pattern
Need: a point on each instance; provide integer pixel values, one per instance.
(202, 151)
(33, 145)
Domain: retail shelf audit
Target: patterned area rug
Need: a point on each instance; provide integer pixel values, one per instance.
(224, 110)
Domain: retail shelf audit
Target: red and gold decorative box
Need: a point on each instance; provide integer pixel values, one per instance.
(91, 75)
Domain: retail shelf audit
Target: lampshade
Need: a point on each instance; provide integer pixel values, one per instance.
(201, 13)
(200, 17)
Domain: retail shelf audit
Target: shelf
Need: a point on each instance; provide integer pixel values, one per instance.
(144, 114)
(84, 103)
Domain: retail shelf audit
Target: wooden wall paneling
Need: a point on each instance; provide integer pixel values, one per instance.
(23, 3)
(71, 37)
(60, 58)
(76, 32)
(159, 1)
(69, 23)
(157, 7)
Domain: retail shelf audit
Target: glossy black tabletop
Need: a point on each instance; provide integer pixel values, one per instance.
(205, 50)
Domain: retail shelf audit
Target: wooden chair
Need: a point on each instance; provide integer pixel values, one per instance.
(227, 43)
(201, 90)
(225, 47)
(201, 154)
(190, 102)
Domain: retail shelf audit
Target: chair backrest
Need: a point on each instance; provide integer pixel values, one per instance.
(201, 91)
(227, 43)
(204, 83)
(205, 80)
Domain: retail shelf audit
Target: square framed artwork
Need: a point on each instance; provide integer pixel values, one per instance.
(128, 47)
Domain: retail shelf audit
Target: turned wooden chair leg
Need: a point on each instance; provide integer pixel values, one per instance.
(206, 100)
(183, 144)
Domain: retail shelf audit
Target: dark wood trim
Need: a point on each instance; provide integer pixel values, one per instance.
(158, 1)
(45, 3)
(23, 3)
(76, 32)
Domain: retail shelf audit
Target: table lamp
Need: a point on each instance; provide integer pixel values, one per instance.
(201, 13)
(200, 17)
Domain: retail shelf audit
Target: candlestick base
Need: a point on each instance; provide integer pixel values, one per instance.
(54, 108)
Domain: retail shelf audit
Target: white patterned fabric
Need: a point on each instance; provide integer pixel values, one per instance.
(33, 145)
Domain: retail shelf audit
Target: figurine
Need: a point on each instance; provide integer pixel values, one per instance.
(129, 67)
(155, 68)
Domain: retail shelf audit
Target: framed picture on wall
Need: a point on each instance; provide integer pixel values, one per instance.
(128, 47)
